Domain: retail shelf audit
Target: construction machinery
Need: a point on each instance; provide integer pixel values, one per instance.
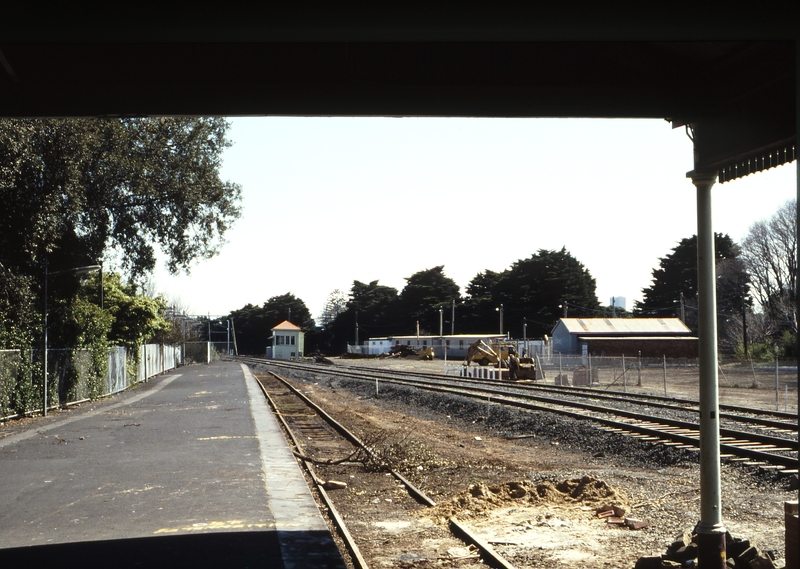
(426, 353)
(406, 351)
(496, 354)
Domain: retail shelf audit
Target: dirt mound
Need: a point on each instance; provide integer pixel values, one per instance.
(481, 498)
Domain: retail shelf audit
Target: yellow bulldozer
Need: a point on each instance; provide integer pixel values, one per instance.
(496, 354)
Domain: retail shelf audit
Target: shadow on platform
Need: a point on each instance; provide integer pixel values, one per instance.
(205, 550)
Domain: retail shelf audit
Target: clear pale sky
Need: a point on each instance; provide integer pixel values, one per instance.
(327, 201)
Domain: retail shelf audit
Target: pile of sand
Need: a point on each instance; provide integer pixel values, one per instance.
(482, 498)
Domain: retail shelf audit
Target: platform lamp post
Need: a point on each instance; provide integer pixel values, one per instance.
(500, 310)
(47, 275)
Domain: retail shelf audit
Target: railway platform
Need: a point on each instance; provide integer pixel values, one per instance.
(188, 470)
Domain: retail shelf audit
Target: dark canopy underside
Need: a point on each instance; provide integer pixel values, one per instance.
(731, 82)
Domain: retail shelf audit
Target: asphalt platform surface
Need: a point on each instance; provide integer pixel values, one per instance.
(187, 470)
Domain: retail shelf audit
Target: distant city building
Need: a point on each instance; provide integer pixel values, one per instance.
(618, 302)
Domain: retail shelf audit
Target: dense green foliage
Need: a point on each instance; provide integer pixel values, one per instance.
(372, 307)
(78, 191)
(18, 310)
(425, 293)
(532, 291)
(675, 281)
(253, 324)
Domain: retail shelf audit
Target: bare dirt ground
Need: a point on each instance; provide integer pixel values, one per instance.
(534, 498)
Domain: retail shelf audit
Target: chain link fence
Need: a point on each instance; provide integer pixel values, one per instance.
(768, 384)
(70, 375)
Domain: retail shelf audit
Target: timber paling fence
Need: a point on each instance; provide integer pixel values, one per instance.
(69, 373)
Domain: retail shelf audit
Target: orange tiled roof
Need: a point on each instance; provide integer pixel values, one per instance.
(286, 325)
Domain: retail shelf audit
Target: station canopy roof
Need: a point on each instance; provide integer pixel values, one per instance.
(728, 76)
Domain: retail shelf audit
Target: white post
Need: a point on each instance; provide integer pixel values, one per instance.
(624, 377)
(777, 390)
(710, 531)
(590, 370)
(639, 382)
(559, 364)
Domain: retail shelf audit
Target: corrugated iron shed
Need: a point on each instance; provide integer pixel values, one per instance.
(626, 326)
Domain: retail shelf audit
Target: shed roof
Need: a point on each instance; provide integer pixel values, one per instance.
(286, 325)
(625, 326)
(640, 338)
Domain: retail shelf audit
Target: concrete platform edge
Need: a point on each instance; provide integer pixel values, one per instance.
(303, 535)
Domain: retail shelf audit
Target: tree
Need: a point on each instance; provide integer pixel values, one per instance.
(531, 292)
(132, 318)
(335, 304)
(769, 252)
(534, 291)
(675, 281)
(479, 306)
(734, 305)
(424, 294)
(19, 318)
(254, 324)
(371, 306)
(75, 190)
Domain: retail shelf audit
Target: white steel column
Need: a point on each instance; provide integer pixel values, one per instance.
(710, 531)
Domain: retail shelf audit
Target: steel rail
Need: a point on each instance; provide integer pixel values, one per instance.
(355, 553)
(642, 399)
(656, 401)
(487, 552)
(739, 449)
(677, 404)
(652, 431)
(676, 423)
(596, 392)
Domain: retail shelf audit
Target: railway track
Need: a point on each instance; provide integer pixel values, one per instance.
(764, 439)
(314, 433)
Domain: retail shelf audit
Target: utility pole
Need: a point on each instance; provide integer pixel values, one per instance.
(744, 323)
(565, 306)
(683, 309)
(356, 327)
(441, 321)
(235, 346)
(453, 319)
(500, 310)
(525, 334)
(229, 337)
